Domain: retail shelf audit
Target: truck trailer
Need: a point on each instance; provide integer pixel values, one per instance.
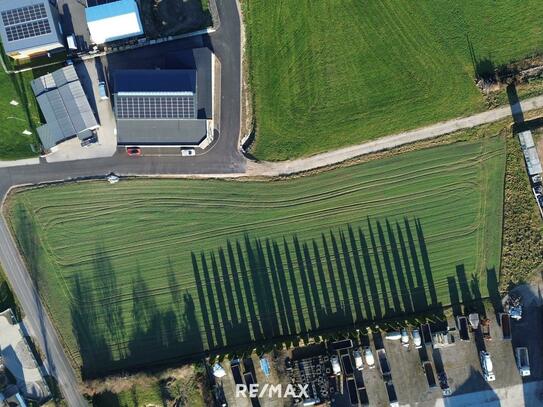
(505, 322)
(523, 361)
(430, 376)
(383, 362)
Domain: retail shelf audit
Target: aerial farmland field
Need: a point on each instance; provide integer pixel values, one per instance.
(326, 74)
(146, 271)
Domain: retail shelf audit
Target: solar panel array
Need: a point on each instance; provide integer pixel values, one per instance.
(155, 107)
(26, 22)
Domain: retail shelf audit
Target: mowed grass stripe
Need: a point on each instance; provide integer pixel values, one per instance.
(165, 274)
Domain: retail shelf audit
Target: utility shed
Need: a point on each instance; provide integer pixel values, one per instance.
(29, 28)
(64, 106)
(114, 21)
(529, 149)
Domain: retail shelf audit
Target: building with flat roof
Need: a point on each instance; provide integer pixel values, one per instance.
(65, 107)
(114, 21)
(29, 28)
(165, 107)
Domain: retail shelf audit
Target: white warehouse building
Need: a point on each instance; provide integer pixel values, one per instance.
(114, 21)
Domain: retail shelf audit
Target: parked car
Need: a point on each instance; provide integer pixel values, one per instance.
(540, 200)
(488, 368)
(89, 140)
(133, 151)
(188, 152)
(417, 341)
(336, 368)
(368, 357)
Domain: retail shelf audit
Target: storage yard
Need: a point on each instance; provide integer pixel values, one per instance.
(449, 374)
(187, 266)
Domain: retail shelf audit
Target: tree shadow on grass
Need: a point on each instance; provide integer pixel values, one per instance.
(254, 291)
(293, 287)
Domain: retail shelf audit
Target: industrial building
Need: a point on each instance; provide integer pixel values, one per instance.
(165, 107)
(114, 21)
(29, 28)
(65, 107)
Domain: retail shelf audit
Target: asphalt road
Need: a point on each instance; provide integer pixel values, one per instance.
(223, 157)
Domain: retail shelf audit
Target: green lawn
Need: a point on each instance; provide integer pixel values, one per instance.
(26, 115)
(15, 119)
(326, 74)
(146, 270)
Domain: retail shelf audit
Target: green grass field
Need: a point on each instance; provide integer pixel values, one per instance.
(147, 270)
(326, 74)
(15, 119)
(25, 116)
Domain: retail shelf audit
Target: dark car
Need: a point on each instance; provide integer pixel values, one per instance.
(89, 140)
(538, 188)
(540, 200)
(133, 151)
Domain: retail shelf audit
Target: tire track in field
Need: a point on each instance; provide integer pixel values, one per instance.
(167, 241)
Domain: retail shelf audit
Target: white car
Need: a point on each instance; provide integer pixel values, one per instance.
(188, 152)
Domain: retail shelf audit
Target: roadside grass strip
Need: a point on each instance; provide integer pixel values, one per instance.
(148, 271)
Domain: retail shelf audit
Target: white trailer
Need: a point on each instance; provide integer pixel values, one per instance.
(488, 368)
(336, 368)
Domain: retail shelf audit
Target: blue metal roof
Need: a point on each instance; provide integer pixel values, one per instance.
(107, 10)
(154, 80)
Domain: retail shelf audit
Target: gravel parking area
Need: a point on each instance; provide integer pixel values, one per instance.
(460, 361)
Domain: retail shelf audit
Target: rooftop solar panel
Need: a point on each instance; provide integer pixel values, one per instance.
(23, 14)
(26, 22)
(155, 107)
(28, 30)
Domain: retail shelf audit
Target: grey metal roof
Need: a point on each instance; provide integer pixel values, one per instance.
(161, 132)
(530, 153)
(64, 106)
(52, 38)
(46, 136)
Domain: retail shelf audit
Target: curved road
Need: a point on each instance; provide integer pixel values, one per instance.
(223, 158)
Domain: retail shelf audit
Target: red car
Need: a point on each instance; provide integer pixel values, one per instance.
(133, 151)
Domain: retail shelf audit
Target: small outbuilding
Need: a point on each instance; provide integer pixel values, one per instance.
(29, 28)
(65, 108)
(114, 21)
